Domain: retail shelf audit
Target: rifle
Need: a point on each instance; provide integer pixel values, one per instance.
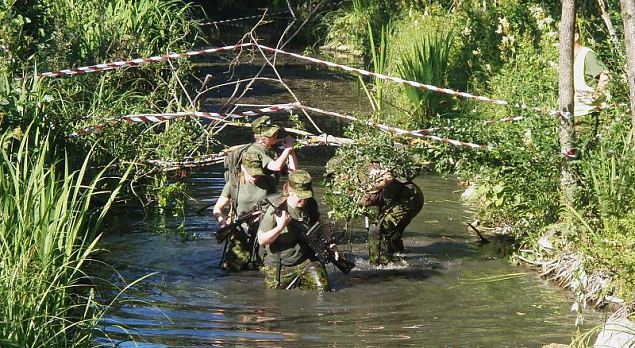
(314, 239)
(224, 232)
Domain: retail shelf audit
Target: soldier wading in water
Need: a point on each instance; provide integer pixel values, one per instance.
(288, 262)
(243, 190)
(398, 203)
(246, 191)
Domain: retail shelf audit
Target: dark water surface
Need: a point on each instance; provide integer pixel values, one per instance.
(439, 295)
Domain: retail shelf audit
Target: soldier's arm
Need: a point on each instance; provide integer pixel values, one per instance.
(272, 226)
(220, 205)
(279, 163)
(218, 211)
(293, 161)
(328, 237)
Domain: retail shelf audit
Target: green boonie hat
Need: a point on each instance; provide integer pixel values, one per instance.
(262, 126)
(252, 163)
(301, 184)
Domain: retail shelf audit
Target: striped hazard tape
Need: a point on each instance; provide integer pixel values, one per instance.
(246, 18)
(447, 91)
(262, 15)
(398, 131)
(139, 61)
(408, 82)
(153, 118)
(214, 116)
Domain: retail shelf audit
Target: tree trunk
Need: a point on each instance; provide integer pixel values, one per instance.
(566, 130)
(609, 23)
(628, 13)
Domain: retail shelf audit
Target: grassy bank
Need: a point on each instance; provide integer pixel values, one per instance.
(48, 231)
(49, 220)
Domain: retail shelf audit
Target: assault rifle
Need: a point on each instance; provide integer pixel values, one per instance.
(314, 239)
(224, 232)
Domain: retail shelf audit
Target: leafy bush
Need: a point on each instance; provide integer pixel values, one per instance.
(347, 26)
(607, 208)
(346, 174)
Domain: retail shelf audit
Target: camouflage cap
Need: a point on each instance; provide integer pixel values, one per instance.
(300, 183)
(262, 127)
(252, 163)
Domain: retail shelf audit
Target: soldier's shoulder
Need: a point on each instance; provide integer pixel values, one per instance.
(270, 202)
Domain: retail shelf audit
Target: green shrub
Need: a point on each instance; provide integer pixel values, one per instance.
(346, 173)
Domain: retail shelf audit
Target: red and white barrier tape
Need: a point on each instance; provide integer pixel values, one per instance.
(398, 131)
(434, 129)
(160, 117)
(406, 82)
(138, 61)
(225, 21)
(135, 62)
(153, 118)
(287, 11)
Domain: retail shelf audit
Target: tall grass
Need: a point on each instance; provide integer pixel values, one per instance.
(608, 220)
(48, 231)
(378, 56)
(427, 63)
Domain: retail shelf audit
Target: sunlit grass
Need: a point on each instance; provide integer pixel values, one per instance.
(428, 64)
(48, 230)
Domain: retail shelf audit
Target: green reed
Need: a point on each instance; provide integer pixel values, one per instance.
(48, 231)
(427, 63)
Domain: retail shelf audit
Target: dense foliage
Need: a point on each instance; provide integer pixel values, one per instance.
(50, 35)
(47, 223)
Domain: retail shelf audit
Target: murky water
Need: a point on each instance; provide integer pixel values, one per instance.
(442, 294)
(448, 290)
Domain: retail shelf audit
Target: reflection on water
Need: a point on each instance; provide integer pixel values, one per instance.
(437, 296)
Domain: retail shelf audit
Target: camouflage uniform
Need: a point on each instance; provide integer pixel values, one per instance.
(309, 275)
(289, 263)
(398, 204)
(245, 195)
(240, 249)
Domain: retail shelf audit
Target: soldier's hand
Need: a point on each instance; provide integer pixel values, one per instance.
(288, 142)
(282, 218)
